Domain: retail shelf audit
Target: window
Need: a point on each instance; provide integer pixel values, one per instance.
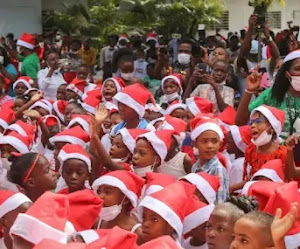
(222, 24)
(296, 16)
(273, 18)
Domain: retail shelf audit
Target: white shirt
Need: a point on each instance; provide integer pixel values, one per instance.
(50, 85)
(140, 69)
(89, 87)
(186, 244)
(106, 55)
(236, 170)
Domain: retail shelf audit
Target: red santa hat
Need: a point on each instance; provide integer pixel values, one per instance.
(151, 36)
(19, 142)
(272, 170)
(177, 78)
(6, 117)
(205, 125)
(22, 128)
(241, 136)
(282, 198)
(77, 86)
(197, 105)
(165, 242)
(129, 137)
(129, 184)
(75, 135)
(47, 218)
(59, 107)
(43, 103)
(176, 104)
(123, 37)
(80, 119)
(91, 235)
(119, 83)
(160, 141)
(85, 207)
(170, 203)
(10, 201)
(96, 92)
(157, 181)
(207, 185)
(90, 104)
(26, 80)
(51, 244)
(275, 117)
(51, 120)
(26, 40)
(227, 117)
(134, 96)
(110, 106)
(197, 214)
(292, 56)
(74, 151)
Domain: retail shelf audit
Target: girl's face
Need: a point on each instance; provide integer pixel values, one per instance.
(154, 226)
(295, 68)
(6, 150)
(220, 72)
(18, 104)
(126, 67)
(20, 89)
(126, 113)
(198, 234)
(109, 90)
(68, 113)
(179, 113)
(220, 54)
(231, 146)
(110, 195)
(259, 124)
(61, 93)
(219, 233)
(71, 95)
(144, 154)
(118, 149)
(75, 172)
(189, 118)
(170, 87)
(115, 118)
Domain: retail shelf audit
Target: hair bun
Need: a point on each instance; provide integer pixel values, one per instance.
(245, 203)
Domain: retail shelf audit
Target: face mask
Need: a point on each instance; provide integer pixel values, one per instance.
(126, 76)
(263, 139)
(142, 171)
(73, 52)
(140, 59)
(1, 59)
(184, 59)
(105, 130)
(5, 163)
(295, 82)
(120, 160)
(171, 97)
(110, 213)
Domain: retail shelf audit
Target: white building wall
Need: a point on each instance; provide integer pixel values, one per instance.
(18, 16)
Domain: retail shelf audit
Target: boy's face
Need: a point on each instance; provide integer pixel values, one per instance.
(20, 89)
(231, 147)
(61, 93)
(220, 72)
(109, 90)
(219, 233)
(126, 113)
(219, 54)
(71, 95)
(179, 113)
(208, 144)
(118, 149)
(200, 196)
(198, 234)
(82, 73)
(110, 195)
(18, 104)
(170, 87)
(144, 154)
(248, 235)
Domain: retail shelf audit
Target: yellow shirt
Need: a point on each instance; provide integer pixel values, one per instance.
(88, 57)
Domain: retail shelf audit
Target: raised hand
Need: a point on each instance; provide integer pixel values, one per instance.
(33, 114)
(37, 96)
(253, 81)
(291, 142)
(101, 115)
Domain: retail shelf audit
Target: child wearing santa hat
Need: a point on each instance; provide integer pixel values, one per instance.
(19, 102)
(172, 88)
(61, 92)
(22, 84)
(70, 109)
(75, 89)
(177, 110)
(111, 87)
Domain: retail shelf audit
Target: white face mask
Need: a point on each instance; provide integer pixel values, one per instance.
(110, 213)
(1, 59)
(142, 171)
(295, 82)
(126, 76)
(184, 59)
(5, 163)
(73, 52)
(263, 139)
(120, 160)
(173, 96)
(105, 130)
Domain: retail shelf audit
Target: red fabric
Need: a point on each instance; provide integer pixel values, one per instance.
(69, 76)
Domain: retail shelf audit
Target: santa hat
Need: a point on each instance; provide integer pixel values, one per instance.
(26, 40)
(227, 117)
(134, 96)
(46, 219)
(175, 77)
(160, 141)
(123, 37)
(110, 106)
(6, 117)
(197, 214)
(292, 56)
(10, 201)
(91, 235)
(164, 242)
(157, 181)
(119, 83)
(51, 120)
(30, 90)
(82, 120)
(151, 36)
(241, 136)
(22, 128)
(19, 142)
(154, 108)
(170, 203)
(51, 244)
(207, 185)
(75, 135)
(129, 137)
(90, 104)
(197, 105)
(129, 184)
(96, 92)
(77, 86)
(43, 103)
(272, 170)
(282, 198)
(85, 207)
(74, 151)
(26, 80)
(275, 117)
(59, 107)
(153, 122)
(176, 104)
(206, 125)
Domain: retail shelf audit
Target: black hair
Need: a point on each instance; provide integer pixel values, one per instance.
(5, 55)
(1, 79)
(282, 83)
(10, 35)
(52, 51)
(234, 211)
(76, 41)
(122, 54)
(187, 40)
(20, 167)
(226, 63)
(151, 65)
(23, 98)
(245, 203)
(75, 104)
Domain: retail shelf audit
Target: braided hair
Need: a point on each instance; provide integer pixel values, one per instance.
(245, 203)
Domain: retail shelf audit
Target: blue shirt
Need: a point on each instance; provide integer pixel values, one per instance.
(10, 68)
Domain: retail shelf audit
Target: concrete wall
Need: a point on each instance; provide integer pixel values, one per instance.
(19, 16)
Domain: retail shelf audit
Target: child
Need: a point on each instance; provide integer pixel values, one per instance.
(19, 102)
(177, 110)
(152, 83)
(208, 137)
(120, 191)
(4, 98)
(194, 224)
(82, 120)
(75, 89)
(140, 65)
(6, 117)
(270, 171)
(59, 109)
(111, 87)
(126, 68)
(253, 229)
(171, 87)
(75, 167)
(43, 106)
(61, 92)
(72, 107)
(32, 172)
(83, 73)
(11, 204)
(22, 84)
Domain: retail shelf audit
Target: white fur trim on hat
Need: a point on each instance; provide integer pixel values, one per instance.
(17, 128)
(25, 44)
(268, 173)
(22, 81)
(3, 124)
(59, 114)
(191, 105)
(42, 105)
(127, 139)
(292, 241)
(246, 187)
(67, 139)
(74, 89)
(13, 203)
(63, 156)
(115, 182)
(275, 123)
(162, 210)
(171, 77)
(173, 107)
(197, 218)
(88, 108)
(152, 189)
(33, 230)
(130, 102)
(236, 135)
(81, 122)
(117, 85)
(208, 126)
(292, 56)
(203, 186)
(14, 142)
(89, 236)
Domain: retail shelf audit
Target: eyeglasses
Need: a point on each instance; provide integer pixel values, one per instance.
(257, 121)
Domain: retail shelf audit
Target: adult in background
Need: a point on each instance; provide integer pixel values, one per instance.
(88, 54)
(106, 56)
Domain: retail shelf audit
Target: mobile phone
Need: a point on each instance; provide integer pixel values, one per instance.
(201, 67)
(296, 153)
